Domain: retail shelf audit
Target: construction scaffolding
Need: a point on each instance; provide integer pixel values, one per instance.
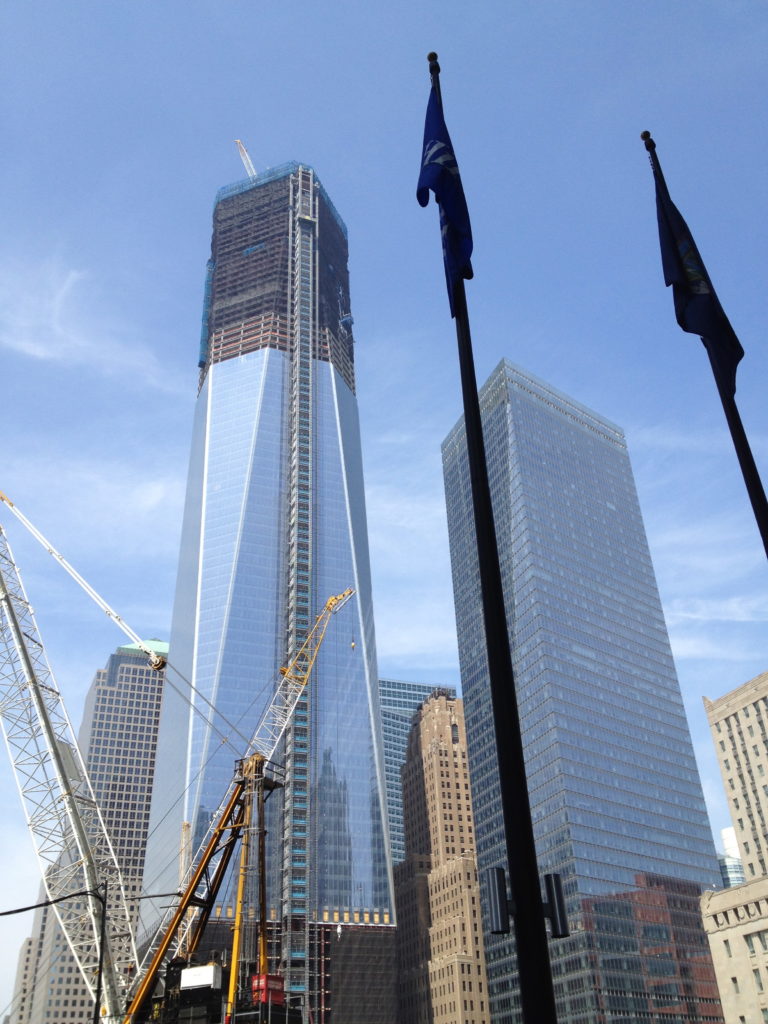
(248, 295)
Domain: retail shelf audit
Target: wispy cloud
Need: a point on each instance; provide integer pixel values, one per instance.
(413, 596)
(116, 520)
(668, 437)
(419, 632)
(93, 501)
(718, 560)
(406, 525)
(700, 645)
(48, 312)
(738, 608)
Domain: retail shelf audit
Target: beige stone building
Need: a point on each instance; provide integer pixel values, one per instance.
(736, 919)
(739, 724)
(441, 959)
(736, 922)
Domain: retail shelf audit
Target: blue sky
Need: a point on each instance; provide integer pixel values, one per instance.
(118, 127)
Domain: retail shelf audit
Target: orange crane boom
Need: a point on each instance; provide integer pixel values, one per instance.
(234, 814)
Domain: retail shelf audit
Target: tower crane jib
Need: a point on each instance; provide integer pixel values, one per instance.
(155, 660)
(247, 162)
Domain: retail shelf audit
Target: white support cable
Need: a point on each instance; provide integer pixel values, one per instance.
(155, 660)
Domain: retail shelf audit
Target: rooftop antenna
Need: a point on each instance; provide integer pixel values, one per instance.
(247, 162)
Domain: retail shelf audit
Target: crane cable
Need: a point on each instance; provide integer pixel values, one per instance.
(156, 661)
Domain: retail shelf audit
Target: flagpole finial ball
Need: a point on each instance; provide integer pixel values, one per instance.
(649, 143)
(431, 56)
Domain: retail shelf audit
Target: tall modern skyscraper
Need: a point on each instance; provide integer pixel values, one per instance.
(616, 799)
(399, 701)
(274, 524)
(731, 865)
(118, 738)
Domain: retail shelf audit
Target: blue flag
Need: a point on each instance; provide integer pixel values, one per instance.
(697, 306)
(440, 173)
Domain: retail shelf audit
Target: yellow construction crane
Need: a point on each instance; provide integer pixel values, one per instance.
(233, 820)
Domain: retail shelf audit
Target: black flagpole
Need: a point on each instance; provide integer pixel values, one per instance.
(749, 470)
(746, 461)
(536, 989)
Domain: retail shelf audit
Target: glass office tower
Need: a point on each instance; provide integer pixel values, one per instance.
(400, 701)
(274, 524)
(616, 799)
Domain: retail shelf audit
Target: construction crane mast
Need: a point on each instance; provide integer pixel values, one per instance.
(70, 839)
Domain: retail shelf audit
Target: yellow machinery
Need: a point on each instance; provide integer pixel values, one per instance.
(233, 821)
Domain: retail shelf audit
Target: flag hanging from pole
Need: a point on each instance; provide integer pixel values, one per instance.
(697, 307)
(440, 174)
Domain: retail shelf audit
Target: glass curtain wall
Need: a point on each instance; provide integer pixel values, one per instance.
(275, 524)
(616, 799)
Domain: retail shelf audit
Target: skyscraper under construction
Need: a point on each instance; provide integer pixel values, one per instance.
(274, 523)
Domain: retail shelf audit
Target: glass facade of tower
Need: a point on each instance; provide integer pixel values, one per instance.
(274, 524)
(616, 799)
(399, 703)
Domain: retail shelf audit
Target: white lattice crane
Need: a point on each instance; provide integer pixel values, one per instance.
(70, 839)
(68, 831)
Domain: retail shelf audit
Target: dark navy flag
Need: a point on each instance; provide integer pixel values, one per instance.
(697, 306)
(440, 173)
